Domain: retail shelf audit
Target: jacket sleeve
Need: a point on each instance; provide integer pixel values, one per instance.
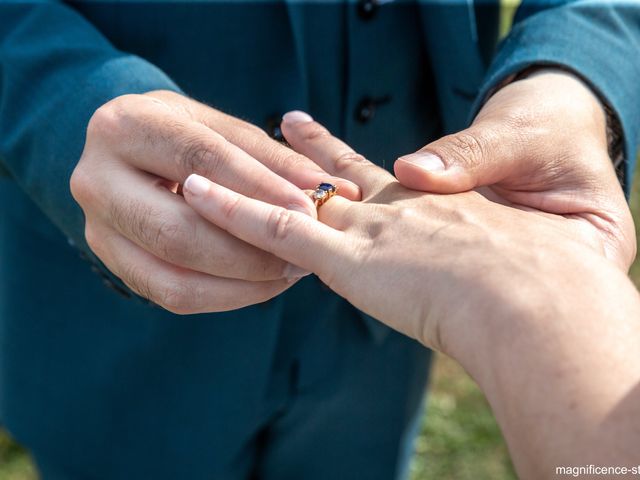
(599, 41)
(56, 69)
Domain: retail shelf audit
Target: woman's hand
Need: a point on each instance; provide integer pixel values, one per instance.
(546, 326)
(418, 262)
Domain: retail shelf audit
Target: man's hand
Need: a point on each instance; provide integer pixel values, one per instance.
(139, 150)
(539, 144)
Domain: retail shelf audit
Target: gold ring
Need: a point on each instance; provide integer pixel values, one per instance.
(323, 192)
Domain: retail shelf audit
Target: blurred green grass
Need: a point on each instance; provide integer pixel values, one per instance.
(459, 438)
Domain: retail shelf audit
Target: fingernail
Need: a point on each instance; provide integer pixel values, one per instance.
(196, 185)
(426, 161)
(296, 116)
(293, 272)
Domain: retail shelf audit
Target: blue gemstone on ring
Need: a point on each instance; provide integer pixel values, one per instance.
(327, 187)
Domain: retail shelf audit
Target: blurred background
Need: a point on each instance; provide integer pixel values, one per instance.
(459, 438)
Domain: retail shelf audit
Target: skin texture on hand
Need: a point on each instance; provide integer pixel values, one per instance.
(139, 150)
(547, 326)
(423, 242)
(538, 143)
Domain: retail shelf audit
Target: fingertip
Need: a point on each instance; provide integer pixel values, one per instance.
(296, 116)
(297, 125)
(427, 161)
(196, 185)
(414, 177)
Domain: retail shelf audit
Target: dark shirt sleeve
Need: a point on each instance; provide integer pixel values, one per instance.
(56, 69)
(600, 41)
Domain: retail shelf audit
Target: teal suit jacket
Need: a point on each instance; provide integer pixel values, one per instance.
(422, 69)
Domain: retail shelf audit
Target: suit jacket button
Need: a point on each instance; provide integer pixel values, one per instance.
(367, 9)
(272, 127)
(367, 107)
(365, 110)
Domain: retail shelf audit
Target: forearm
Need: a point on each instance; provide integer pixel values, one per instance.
(561, 367)
(57, 70)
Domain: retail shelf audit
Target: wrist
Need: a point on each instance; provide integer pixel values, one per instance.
(497, 316)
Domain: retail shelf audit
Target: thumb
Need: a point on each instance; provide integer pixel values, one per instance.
(459, 162)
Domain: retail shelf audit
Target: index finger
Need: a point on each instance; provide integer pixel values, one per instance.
(290, 235)
(279, 158)
(332, 154)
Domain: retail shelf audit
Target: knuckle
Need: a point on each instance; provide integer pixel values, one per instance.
(139, 281)
(104, 120)
(93, 239)
(469, 147)
(287, 161)
(230, 208)
(291, 159)
(131, 220)
(279, 224)
(347, 160)
(224, 263)
(272, 268)
(161, 233)
(80, 185)
(314, 132)
(165, 98)
(169, 239)
(263, 268)
(255, 131)
(178, 298)
(197, 156)
(407, 213)
(174, 295)
(108, 120)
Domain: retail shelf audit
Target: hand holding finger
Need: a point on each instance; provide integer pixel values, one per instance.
(138, 149)
(162, 223)
(292, 236)
(154, 140)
